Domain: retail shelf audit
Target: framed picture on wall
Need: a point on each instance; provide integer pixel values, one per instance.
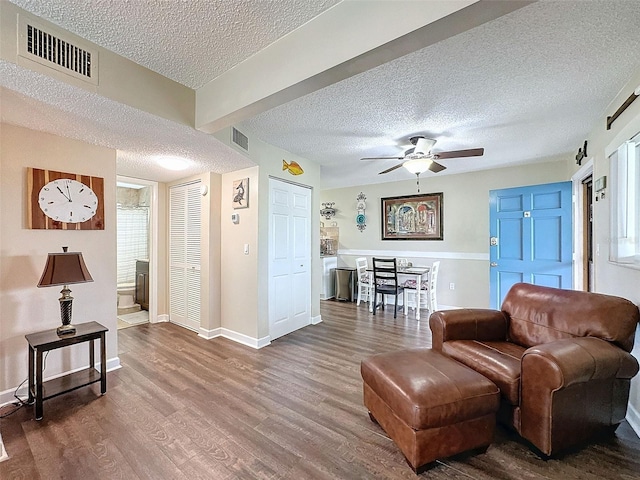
(413, 217)
(241, 193)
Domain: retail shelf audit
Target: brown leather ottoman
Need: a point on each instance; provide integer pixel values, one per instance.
(430, 405)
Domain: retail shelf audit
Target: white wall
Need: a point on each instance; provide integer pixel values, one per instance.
(464, 252)
(24, 308)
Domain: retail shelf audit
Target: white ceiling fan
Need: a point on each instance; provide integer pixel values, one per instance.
(419, 159)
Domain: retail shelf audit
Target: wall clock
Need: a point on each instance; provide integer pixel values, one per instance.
(68, 201)
(65, 201)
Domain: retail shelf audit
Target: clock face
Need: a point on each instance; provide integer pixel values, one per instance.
(68, 201)
(360, 219)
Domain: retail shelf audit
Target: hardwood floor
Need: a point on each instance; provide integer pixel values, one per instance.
(186, 408)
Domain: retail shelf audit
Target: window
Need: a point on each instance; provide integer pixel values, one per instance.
(625, 204)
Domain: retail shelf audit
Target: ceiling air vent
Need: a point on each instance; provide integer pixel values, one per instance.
(240, 139)
(54, 50)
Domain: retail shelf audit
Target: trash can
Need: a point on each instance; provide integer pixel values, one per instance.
(345, 284)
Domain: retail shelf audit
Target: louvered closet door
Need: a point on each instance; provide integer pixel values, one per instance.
(184, 255)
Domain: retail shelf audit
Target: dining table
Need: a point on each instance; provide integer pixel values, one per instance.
(408, 273)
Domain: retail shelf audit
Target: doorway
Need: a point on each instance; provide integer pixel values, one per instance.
(136, 246)
(289, 257)
(587, 237)
(583, 247)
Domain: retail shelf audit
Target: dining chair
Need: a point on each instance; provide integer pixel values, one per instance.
(428, 289)
(385, 282)
(433, 287)
(364, 283)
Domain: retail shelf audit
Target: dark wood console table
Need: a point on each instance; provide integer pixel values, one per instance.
(41, 342)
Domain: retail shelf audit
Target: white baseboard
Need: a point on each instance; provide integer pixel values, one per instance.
(316, 320)
(633, 417)
(160, 318)
(7, 397)
(209, 334)
(113, 364)
(3, 451)
(241, 338)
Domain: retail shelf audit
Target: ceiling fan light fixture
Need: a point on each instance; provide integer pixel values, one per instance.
(417, 165)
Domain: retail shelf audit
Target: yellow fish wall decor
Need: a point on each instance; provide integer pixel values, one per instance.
(293, 167)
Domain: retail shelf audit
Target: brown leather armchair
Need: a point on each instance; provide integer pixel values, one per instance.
(560, 358)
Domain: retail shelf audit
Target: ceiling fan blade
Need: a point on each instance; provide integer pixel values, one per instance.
(436, 167)
(382, 158)
(390, 169)
(472, 152)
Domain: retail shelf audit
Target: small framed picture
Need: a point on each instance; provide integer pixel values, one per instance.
(240, 193)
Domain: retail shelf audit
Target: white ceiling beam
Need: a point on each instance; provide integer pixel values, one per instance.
(351, 37)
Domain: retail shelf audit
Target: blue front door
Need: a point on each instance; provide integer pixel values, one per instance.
(531, 237)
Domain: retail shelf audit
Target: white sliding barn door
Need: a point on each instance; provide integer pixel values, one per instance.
(184, 255)
(289, 257)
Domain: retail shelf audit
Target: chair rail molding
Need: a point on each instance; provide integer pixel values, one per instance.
(415, 254)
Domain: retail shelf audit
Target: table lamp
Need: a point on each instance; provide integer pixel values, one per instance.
(64, 269)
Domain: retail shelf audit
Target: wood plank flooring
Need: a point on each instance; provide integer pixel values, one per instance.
(187, 408)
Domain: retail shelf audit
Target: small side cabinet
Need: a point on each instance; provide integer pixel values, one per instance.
(142, 283)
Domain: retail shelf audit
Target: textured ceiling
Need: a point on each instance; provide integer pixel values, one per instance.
(189, 41)
(528, 86)
(100, 121)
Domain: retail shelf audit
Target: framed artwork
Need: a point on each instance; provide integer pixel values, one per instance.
(413, 217)
(240, 193)
(64, 201)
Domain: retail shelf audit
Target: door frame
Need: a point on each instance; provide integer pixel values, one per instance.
(153, 242)
(578, 224)
(310, 246)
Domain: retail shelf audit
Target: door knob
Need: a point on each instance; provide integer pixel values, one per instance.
(494, 264)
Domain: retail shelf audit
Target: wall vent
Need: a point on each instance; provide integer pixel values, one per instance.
(240, 139)
(50, 48)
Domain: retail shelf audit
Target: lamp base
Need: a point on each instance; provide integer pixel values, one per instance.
(64, 330)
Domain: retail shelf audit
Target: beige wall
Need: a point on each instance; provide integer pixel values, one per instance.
(269, 159)
(611, 278)
(239, 271)
(464, 252)
(120, 79)
(23, 253)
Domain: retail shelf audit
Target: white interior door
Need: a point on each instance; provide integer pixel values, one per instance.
(184, 255)
(289, 257)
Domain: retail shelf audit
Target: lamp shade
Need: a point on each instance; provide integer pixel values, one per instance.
(417, 165)
(64, 269)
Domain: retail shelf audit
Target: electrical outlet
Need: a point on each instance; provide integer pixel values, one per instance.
(452, 286)
(246, 249)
